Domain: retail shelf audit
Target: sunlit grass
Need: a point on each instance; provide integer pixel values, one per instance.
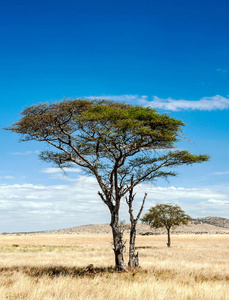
(81, 267)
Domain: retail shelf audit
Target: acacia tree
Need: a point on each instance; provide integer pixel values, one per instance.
(166, 215)
(120, 144)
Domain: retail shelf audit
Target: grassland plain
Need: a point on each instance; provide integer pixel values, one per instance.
(81, 267)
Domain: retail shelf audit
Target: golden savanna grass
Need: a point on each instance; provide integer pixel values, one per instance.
(60, 267)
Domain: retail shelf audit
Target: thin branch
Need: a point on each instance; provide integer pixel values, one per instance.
(142, 206)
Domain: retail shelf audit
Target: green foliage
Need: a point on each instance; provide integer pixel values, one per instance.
(166, 215)
(111, 140)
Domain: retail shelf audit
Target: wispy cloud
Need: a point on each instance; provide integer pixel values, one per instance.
(222, 72)
(62, 174)
(125, 98)
(221, 173)
(25, 153)
(7, 177)
(58, 170)
(204, 104)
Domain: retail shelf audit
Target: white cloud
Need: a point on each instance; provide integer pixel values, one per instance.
(7, 177)
(28, 207)
(172, 193)
(218, 202)
(196, 202)
(58, 170)
(61, 174)
(204, 104)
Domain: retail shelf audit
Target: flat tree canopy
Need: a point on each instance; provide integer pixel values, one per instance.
(120, 144)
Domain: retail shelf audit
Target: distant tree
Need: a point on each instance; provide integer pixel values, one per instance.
(120, 144)
(166, 215)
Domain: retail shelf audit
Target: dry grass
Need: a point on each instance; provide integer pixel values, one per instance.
(60, 267)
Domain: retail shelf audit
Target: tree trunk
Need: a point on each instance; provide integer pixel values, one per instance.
(133, 258)
(169, 241)
(118, 245)
(117, 232)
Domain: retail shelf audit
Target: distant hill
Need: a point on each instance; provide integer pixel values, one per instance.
(216, 221)
(208, 225)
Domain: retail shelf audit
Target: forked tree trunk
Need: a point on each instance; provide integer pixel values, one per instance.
(169, 240)
(118, 246)
(133, 258)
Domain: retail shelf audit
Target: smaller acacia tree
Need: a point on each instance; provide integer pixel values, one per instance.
(166, 215)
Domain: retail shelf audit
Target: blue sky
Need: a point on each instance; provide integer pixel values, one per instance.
(171, 55)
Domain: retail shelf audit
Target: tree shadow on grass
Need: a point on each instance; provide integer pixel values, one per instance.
(55, 271)
(91, 272)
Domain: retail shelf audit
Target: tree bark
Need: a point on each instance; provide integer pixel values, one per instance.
(117, 232)
(169, 240)
(118, 244)
(133, 258)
